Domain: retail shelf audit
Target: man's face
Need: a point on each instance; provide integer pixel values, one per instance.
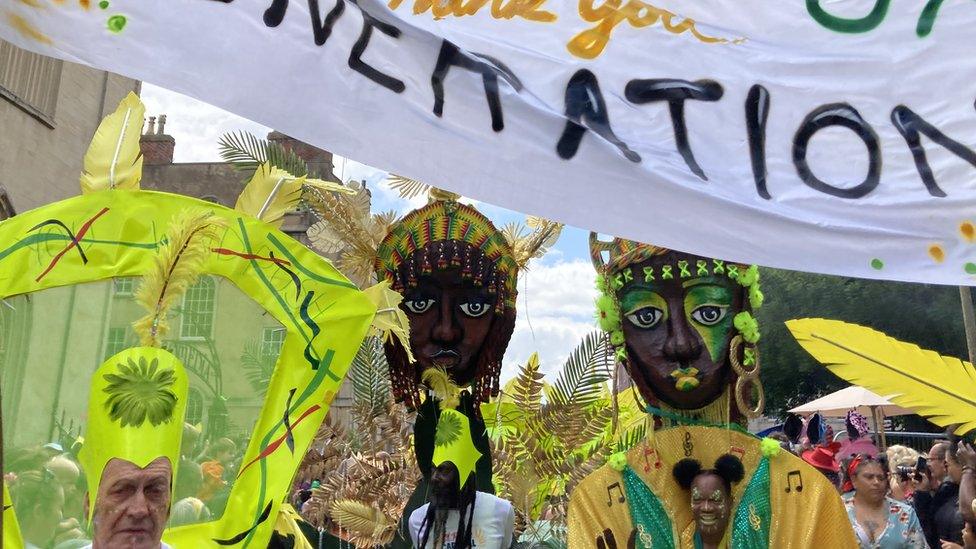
(936, 463)
(66, 472)
(444, 485)
(678, 327)
(449, 321)
(132, 505)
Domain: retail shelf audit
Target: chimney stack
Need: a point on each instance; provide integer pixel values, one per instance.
(157, 147)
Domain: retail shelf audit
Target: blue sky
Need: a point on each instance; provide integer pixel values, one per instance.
(555, 307)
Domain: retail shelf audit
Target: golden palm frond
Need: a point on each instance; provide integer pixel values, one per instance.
(406, 187)
(351, 231)
(176, 267)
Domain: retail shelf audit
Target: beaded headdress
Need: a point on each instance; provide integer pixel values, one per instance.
(435, 231)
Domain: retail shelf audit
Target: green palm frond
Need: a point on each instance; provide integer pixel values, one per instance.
(139, 393)
(370, 376)
(631, 438)
(258, 366)
(586, 370)
(245, 152)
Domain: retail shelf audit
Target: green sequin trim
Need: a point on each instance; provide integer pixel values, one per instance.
(647, 514)
(750, 527)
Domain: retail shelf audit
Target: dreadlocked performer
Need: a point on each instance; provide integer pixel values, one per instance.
(683, 328)
(458, 516)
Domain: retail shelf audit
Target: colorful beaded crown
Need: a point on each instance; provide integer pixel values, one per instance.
(445, 221)
(622, 253)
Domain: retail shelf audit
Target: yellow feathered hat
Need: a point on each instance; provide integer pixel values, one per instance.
(135, 412)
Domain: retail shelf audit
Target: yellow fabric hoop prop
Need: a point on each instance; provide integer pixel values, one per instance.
(325, 316)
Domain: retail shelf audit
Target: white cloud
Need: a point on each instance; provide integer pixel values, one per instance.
(555, 311)
(195, 125)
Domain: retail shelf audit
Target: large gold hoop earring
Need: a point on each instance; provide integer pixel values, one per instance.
(748, 378)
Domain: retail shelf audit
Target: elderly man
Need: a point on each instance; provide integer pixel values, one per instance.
(135, 424)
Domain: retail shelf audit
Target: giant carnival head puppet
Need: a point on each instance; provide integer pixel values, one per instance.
(682, 326)
(457, 275)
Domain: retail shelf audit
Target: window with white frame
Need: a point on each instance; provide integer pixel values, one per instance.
(197, 319)
(271, 341)
(124, 286)
(114, 342)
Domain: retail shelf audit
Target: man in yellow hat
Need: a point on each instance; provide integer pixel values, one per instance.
(135, 424)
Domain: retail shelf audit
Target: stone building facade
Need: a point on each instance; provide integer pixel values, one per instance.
(49, 110)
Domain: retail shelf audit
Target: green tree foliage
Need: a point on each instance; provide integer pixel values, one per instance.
(923, 314)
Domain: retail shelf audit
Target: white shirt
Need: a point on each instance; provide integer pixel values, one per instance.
(492, 528)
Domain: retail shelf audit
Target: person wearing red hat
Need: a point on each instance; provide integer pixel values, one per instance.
(823, 459)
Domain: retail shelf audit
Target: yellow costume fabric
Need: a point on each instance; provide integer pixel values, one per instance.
(325, 317)
(806, 508)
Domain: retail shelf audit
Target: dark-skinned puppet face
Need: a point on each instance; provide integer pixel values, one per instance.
(681, 323)
(457, 275)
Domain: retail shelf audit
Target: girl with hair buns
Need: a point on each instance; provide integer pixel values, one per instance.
(711, 497)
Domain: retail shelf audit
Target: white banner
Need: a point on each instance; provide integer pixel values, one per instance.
(832, 136)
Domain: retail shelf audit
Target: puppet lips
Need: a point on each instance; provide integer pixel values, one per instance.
(445, 358)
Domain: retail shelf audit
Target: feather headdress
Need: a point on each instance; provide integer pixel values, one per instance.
(114, 159)
(177, 267)
(941, 388)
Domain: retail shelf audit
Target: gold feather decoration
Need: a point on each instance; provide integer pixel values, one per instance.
(443, 388)
(347, 229)
(390, 320)
(941, 388)
(176, 267)
(114, 159)
(270, 194)
(527, 245)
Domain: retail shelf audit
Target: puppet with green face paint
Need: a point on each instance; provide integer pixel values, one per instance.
(682, 327)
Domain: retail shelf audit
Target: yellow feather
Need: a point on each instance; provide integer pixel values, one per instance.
(270, 194)
(176, 267)
(390, 320)
(114, 160)
(443, 388)
(940, 388)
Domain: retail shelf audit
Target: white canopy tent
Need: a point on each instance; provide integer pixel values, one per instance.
(869, 404)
